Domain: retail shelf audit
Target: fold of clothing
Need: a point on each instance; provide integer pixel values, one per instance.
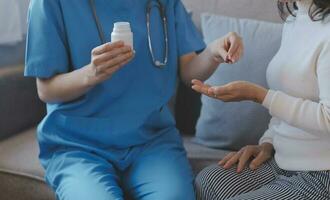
(268, 182)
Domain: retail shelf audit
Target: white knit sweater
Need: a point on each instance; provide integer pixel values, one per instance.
(299, 98)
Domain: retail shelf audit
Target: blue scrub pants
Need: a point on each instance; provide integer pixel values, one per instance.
(158, 170)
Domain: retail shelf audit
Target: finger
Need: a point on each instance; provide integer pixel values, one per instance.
(226, 158)
(227, 98)
(238, 54)
(206, 88)
(233, 51)
(197, 82)
(246, 155)
(235, 43)
(108, 72)
(129, 59)
(119, 66)
(197, 88)
(226, 44)
(223, 54)
(219, 90)
(259, 160)
(107, 47)
(235, 57)
(115, 61)
(201, 89)
(120, 59)
(99, 59)
(221, 93)
(201, 86)
(233, 160)
(241, 52)
(212, 92)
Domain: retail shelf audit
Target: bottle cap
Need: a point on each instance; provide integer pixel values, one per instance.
(122, 27)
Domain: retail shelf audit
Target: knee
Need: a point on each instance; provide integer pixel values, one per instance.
(84, 189)
(175, 189)
(209, 181)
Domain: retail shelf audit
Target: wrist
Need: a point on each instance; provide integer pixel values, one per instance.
(261, 95)
(268, 147)
(214, 56)
(88, 77)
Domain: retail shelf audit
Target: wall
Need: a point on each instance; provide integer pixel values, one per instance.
(12, 54)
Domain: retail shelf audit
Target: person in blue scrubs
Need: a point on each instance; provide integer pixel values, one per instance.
(108, 133)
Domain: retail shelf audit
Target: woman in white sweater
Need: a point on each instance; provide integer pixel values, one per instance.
(299, 132)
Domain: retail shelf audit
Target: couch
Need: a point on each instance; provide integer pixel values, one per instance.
(21, 176)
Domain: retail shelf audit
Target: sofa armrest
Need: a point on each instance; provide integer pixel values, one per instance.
(20, 107)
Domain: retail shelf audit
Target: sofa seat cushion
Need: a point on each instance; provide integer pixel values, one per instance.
(22, 177)
(19, 154)
(201, 156)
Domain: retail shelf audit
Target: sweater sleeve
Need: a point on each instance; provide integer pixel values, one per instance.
(302, 113)
(269, 134)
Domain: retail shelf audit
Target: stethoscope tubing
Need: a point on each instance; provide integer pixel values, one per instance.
(162, 11)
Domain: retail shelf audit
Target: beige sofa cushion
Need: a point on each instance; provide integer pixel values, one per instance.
(19, 154)
(201, 156)
(21, 176)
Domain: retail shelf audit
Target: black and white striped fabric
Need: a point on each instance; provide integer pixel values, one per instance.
(269, 182)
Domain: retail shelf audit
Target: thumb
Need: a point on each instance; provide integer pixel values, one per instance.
(223, 53)
(259, 160)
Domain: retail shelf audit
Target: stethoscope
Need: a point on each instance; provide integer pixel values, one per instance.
(150, 5)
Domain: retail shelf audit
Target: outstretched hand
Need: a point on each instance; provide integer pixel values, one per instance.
(231, 92)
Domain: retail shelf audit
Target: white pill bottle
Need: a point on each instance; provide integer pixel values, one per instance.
(122, 32)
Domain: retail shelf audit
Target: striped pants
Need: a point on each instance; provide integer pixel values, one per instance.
(269, 182)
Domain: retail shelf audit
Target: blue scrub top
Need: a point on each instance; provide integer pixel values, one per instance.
(125, 110)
